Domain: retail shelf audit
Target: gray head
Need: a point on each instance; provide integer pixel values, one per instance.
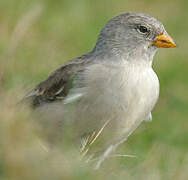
(133, 34)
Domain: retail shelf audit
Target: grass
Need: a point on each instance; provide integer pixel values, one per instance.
(38, 36)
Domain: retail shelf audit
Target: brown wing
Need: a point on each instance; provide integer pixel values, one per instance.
(58, 84)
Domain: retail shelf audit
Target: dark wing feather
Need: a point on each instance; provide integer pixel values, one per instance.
(58, 84)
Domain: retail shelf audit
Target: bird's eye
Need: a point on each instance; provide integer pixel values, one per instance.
(143, 29)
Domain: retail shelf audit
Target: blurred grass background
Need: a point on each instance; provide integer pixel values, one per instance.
(38, 36)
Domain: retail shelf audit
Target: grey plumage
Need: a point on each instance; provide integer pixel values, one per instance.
(114, 82)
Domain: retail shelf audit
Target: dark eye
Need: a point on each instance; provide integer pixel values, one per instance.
(143, 29)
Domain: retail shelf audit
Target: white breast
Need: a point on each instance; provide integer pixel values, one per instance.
(123, 94)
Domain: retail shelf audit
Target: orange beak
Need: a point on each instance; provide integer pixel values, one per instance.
(164, 41)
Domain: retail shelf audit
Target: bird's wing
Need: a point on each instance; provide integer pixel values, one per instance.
(148, 118)
(57, 85)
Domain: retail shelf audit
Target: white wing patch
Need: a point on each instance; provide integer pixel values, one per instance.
(72, 98)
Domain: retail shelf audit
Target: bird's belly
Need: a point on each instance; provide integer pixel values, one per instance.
(140, 96)
(124, 98)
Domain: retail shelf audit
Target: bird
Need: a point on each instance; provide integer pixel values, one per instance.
(113, 86)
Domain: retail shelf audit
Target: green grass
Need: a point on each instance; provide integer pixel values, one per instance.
(38, 36)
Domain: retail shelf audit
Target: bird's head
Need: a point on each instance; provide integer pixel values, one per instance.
(134, 33)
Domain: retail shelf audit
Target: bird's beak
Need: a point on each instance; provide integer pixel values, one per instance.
(165, 41)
